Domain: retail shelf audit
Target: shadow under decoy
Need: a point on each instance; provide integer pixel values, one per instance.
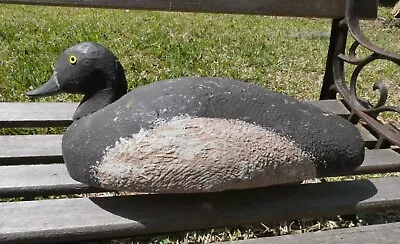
(154, 213)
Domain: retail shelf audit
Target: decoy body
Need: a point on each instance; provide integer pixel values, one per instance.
(191, 134)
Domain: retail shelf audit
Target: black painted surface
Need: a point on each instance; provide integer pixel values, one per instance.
(334, 142)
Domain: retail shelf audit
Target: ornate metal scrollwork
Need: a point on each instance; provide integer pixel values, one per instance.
(335, 83)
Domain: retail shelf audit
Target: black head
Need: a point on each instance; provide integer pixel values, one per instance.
(87, 68)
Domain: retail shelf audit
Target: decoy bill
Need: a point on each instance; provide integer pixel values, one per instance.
(191, 135)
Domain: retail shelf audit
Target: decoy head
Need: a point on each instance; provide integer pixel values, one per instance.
(87, 68)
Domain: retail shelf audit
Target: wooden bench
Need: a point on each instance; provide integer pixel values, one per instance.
(32, 169)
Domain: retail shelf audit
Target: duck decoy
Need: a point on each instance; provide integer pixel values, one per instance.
(191, 134)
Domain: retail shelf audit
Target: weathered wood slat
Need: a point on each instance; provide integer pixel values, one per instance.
(39, 180)
(384, 233)
(369, 139)
(36, 114)
(379, 161)
(30, 149)
(45, 149)
(333, 106)
(53, 179)
(60, 114)
(301, 8)
(104, 217)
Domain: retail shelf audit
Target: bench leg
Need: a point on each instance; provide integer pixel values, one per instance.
(337, 38)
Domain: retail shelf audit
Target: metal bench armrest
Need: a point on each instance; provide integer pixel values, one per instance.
(335, 82)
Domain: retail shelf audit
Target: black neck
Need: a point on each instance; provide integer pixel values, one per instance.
(93, 102)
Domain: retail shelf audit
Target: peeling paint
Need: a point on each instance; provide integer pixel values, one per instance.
(185, 155)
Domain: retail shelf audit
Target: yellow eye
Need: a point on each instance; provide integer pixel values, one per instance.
(72, 59)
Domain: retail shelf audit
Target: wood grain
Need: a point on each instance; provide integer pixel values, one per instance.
(107, 217)
(300, 8)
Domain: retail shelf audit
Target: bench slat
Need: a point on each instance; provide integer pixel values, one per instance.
(53, 179)
(369, 139)
(105, 217)
(36, 114)
(300, 8)
(333, 106)
(30, 149)
(39, 180)
(383, 233)
(60, 114)
(44, 149)
(379, 161)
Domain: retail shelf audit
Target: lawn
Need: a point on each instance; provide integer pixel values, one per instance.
(283, 54)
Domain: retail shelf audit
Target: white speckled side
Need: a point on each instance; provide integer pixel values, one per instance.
(187, 155)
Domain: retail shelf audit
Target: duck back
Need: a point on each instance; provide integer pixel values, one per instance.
(207, 134)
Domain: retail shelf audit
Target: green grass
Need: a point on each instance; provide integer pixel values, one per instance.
(154, 46)
(283, 54)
